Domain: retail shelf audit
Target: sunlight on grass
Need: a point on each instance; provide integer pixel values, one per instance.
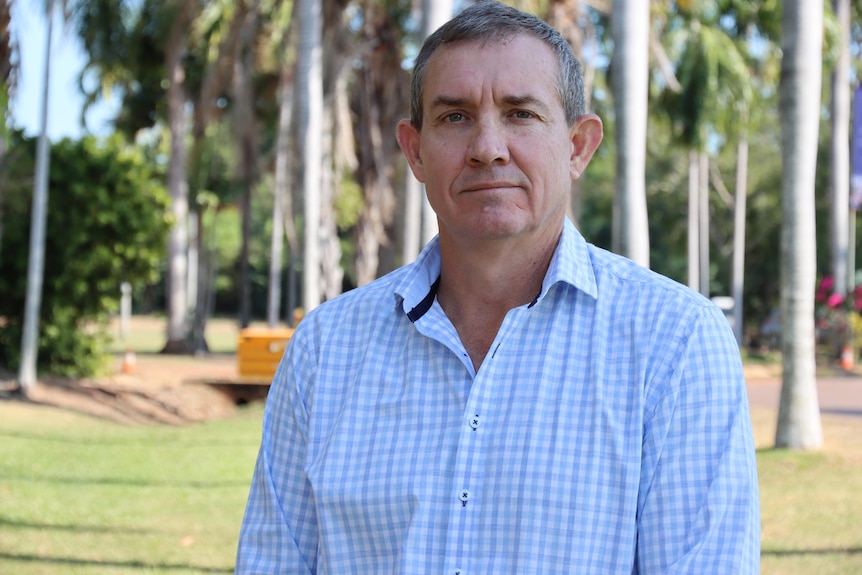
(147, 334)
(80, 495)
(810, 502)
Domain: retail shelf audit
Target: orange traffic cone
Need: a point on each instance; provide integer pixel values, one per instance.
(847, 357)
(129, 361)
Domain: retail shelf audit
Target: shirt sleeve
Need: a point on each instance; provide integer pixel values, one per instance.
(698, 506)
(279, 530)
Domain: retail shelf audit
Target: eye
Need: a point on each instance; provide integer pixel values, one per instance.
(523, 114)
(453, 117)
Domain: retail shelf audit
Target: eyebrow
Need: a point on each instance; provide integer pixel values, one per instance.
(512, 100)
(447, 101)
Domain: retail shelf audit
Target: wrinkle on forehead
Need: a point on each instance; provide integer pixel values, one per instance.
(457, 65)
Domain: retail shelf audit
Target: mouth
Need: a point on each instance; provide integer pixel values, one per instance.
(489, 186)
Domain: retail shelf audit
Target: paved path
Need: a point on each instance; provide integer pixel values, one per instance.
(839, 395)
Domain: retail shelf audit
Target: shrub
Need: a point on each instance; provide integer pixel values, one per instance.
(107, 223)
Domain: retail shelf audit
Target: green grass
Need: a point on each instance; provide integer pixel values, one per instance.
(80, 495)
(811, 502)
(147, 334)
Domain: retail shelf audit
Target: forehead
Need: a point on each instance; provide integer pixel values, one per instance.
(518, 65)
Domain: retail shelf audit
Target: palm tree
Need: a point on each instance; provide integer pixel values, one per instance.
(630, 24)
(381, 98)
(799, 103)
(220, 25)
(839, 156)
(283, 227)
(182, 15)
(712, 72)
(244, 123)
(36, 257)
(309, 93)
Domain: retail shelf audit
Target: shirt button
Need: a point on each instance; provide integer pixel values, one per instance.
(458, 572)
(474, 422)
(464, 496)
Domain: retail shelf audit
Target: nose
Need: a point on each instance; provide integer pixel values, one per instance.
(488, 144)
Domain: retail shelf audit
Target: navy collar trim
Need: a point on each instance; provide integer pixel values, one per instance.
(423, 306)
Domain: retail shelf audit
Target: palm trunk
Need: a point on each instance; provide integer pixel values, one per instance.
(38, 216)
(840, 153)
(693, 221)
(703, 221)
(309, 84)
(630, 26)
(799, 102)
(739, 209)
(280, 200)
(176, 293)
(245, 129)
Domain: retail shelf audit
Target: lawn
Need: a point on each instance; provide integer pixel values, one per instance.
(147, 334)
(811, 503)
(80, 495)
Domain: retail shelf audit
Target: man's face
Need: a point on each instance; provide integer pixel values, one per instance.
(495, 153)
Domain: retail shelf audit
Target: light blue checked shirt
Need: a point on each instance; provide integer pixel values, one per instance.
(606, 432)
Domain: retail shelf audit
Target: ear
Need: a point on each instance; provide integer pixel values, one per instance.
(587, 134)
(408, 140)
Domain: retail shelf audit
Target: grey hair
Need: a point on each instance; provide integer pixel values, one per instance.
(492, 21)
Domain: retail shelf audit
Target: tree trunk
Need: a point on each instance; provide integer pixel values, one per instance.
(330, 247)
(203, 284)
(217, 76)
(337, 149)
(739, 209)
(245, 130)
(177, 288)
(693, 221)
(38, 216)
(282, 211)
(629, 78)
(839, 156)
(703, 221)
(381, 92)
(799, 103)
(309, 86)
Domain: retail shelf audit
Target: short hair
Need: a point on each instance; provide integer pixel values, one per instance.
(492, 21)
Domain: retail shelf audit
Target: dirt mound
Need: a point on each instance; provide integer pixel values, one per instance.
(149, 389)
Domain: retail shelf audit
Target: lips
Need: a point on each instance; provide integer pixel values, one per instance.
(487, 186)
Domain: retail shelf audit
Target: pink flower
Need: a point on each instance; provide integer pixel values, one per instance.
(834, 300)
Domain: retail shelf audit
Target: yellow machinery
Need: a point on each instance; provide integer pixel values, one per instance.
(259, 351)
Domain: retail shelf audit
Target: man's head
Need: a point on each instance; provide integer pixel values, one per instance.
(490, 21)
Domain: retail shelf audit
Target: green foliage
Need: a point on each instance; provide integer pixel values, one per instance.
(107, 221)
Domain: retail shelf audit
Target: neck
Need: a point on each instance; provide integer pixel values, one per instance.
(482, 281)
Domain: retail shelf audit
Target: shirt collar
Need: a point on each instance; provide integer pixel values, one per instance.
(570, 264)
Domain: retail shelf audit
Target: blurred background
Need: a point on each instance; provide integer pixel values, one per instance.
(237, 159)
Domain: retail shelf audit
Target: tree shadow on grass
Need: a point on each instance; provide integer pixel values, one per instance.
(125, 482)
(802, 552)
(132, 564)
(6, 523)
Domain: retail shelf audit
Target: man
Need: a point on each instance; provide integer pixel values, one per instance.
(516, 400)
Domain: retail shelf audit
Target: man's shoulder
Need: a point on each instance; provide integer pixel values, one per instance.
(615, 271)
